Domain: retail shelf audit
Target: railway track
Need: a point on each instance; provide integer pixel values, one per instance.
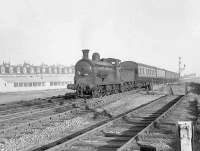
(12, 120)
(163, 135)
(29, 124)
(115, 133)
(30, 109)
(99, 125)
(22, 106)
(25, 117)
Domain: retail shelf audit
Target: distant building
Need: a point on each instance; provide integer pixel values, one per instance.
(8, 69)
(192, 75)
(29, 77)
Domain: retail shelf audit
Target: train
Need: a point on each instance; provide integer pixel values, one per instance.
(98, 77)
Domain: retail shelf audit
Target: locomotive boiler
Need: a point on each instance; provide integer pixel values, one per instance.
(96, 76)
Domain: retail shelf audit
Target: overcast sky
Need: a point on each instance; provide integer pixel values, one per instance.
(154, 32)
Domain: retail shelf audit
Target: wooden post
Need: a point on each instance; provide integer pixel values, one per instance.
(185, 135)
(186, 88)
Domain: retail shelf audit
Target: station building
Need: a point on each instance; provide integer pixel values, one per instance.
(36, 82)
(28, 77)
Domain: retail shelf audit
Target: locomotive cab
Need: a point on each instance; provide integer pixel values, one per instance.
(112, 61)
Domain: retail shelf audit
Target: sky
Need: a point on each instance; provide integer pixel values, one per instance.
(154, 32)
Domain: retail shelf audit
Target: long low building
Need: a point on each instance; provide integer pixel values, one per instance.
(14, 83)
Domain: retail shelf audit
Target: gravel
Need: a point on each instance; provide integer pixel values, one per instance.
(42, 136)
(45, 134)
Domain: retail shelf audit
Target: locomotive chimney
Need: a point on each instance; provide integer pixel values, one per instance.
(85, 53)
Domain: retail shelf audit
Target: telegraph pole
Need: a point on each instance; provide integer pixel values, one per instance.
(180, 69)
(179, 66)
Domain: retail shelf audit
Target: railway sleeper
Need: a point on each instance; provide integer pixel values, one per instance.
(143, 121)
(125, 134)
(129, 132)
(99, 143)
(123, 125)
(107, 139)
(159, 135)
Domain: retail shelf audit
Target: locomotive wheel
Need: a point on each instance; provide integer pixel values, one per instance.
(103, 90)
(116, 89)
(108, 89)
(123, 88)
(96, 92)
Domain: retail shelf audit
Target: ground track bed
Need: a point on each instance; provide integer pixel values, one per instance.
(115, 133)
(45, 129)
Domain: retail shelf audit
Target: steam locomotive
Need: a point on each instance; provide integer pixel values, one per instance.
(98, 77)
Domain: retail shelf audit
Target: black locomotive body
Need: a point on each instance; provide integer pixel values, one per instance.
(98, 77)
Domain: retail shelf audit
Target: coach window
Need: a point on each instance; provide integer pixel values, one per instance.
(30, 84)
(34, 84)
(15, 84)
(145, 72)
(20, 84)
(25, 84)
(51, 83)
(43, 84)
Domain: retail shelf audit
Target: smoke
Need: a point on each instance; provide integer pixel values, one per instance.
(86, 32)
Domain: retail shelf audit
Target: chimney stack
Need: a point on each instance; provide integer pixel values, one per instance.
(85, 53)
